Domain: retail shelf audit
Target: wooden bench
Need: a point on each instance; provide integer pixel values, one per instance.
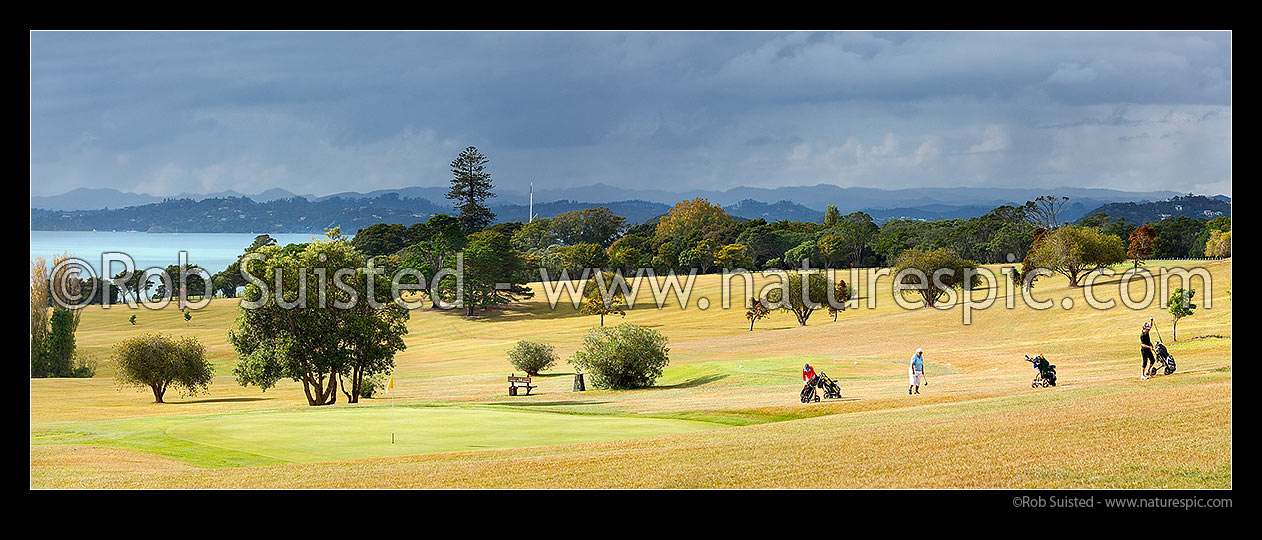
(515, 382)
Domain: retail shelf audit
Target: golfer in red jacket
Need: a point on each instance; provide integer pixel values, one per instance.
(808, 372)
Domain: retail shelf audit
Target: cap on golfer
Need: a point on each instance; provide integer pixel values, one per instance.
(1147, 326)
(919, 350)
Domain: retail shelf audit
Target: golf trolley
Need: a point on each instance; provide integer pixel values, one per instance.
(1047, 372)
(1163, 356)
(823, 382)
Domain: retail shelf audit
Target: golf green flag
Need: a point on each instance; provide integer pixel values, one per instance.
(390, 384)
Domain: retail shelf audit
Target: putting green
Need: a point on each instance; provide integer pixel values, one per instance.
(355, 433)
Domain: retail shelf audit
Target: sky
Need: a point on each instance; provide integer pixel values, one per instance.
(323, 112)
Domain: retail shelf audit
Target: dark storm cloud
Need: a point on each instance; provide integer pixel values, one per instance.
(320, 112)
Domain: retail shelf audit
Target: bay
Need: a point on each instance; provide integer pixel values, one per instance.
(212, 251)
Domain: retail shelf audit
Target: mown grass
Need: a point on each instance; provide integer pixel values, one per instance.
(978, 424)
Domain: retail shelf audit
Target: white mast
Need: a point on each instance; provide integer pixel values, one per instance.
(531, 212)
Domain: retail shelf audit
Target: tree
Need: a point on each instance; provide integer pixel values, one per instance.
(832, 217)
(433, 251)
(1025, 277)
(133, 283)
(589, 226)
(1218, 245)
(193, 282)
(1140, 244)
(532, 357)
(806, 251)
(622, 357)
(534, 236)
(470, 186)
(757, 310)
(692, 219)
(929, 262)
(160, 361)
(60, 347)
(1177, 237)
(1181, 306)
(799, 296)
(494, 274)
(700, 256)
(1045, 211)
(857, 229)
(334, 334)
(40, 302)
(832, 249)
(733, 256)
(841, 293)
(580, 256)
(381, 239)
(603, 296)
(1075, 252)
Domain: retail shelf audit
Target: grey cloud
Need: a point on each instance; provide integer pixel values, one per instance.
(324, 112)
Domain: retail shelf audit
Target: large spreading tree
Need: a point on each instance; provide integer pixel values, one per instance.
(928, 263)
(470, 187)
(1075, 252)
(160, 362)
(494, 274)
(800, 294)
(349, 328)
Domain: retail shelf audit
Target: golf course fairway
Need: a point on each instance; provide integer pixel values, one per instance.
(344, 433)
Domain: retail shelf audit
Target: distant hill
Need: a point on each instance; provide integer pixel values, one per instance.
(636, 212)
(751, 209)
(238, 214)
(817, 197)
(1194, 206)
(279, 210)
(92, 199)
(100, 199)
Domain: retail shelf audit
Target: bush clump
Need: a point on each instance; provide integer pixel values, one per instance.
(532, 357)
(622, 357)
(370, 386)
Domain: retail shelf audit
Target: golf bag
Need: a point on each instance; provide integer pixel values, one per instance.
(808, 391)
(829, 386)
(1047, 372)
(1163, 356)
(823, 382)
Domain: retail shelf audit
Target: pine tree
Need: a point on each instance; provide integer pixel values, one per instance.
(470, 185)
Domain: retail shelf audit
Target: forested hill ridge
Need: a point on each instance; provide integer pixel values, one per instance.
(297, 214)
(1192, 206)
(307, 215)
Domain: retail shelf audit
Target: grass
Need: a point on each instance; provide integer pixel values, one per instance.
(978, 424)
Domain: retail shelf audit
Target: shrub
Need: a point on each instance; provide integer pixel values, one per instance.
(369, 387)
(532, 357)
(623, 356)
(159, 361)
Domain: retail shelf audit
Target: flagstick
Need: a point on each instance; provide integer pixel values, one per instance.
(391, 418)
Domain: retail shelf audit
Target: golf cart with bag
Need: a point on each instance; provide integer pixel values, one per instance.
(1163, 356)
(1047, 372)
(822, 381)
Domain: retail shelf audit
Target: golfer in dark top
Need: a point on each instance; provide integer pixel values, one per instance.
(1145, 350)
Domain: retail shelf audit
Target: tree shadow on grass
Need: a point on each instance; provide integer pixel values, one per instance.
(545, 403)
(695, 381)
(221, 400)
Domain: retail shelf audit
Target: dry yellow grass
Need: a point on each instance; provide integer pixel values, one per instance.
(979, 424)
